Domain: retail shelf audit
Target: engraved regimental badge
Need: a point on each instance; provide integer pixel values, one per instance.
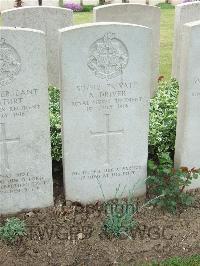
(108, 57)
(10, 63)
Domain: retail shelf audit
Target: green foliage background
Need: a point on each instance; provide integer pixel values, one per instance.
(55, 123)
(163, 115)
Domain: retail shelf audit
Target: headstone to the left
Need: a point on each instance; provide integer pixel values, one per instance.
(25, 156)
(48, 20)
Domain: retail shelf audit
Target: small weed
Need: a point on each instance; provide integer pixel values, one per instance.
(119, 217)
(12, 229)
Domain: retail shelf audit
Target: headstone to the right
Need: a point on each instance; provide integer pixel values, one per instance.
(48, 20)
(184, 13)
(187, 149)
(105, 108)
(25, 154)
(148, 16)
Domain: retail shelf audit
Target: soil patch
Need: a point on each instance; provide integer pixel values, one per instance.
(71, 234)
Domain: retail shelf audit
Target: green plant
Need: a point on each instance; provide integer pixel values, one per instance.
(163, 114)
(119, 217)
(193, 260)
(164, 180)
(55, 123)
(61, 3)
(12, 229)
(88, 8)
(165, 6)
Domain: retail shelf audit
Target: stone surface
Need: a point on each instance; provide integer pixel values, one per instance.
(144, 15)
(143, 2)
(105, 107)
(25, 157)
(6, 4)
(184, 13)
(47, 19)
(44, 3)
(187, 151)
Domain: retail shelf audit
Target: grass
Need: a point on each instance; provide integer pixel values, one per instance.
(178, 261)
(166, 42)
(82, 17)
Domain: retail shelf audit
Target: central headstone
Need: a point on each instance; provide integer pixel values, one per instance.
(25, 155)
(105, 107)
(148, 16)
(48, 20)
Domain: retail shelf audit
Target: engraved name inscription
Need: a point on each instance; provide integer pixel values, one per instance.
(10, 63)
(17, 103)
(108, 57)
(105, 97)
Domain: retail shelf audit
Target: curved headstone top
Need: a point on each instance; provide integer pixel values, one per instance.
(45, 18)
(140, 14)
(127, 5)
(184, 13)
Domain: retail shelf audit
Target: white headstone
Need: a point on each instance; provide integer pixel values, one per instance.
(105, 107)
(47, 19)
(25, 156)
(144, 15)
(187, 152)
(184, 13)
(6, 4)
(50, 3)
(30, 3)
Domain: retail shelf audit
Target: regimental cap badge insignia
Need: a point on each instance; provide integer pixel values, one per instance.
(108, 57)
(10, 63)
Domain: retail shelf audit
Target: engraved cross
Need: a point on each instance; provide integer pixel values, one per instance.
(4, 141)
(107, 133)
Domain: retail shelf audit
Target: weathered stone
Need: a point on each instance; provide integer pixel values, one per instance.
(144, 15)
(187, 153)
(105, 106)
(25, 156)
(47, 19)
(184, 13)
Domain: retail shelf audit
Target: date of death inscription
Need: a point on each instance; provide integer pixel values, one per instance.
(107, 97)
(18, 103)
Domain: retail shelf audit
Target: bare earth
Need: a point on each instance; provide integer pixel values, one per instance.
(70, 234)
